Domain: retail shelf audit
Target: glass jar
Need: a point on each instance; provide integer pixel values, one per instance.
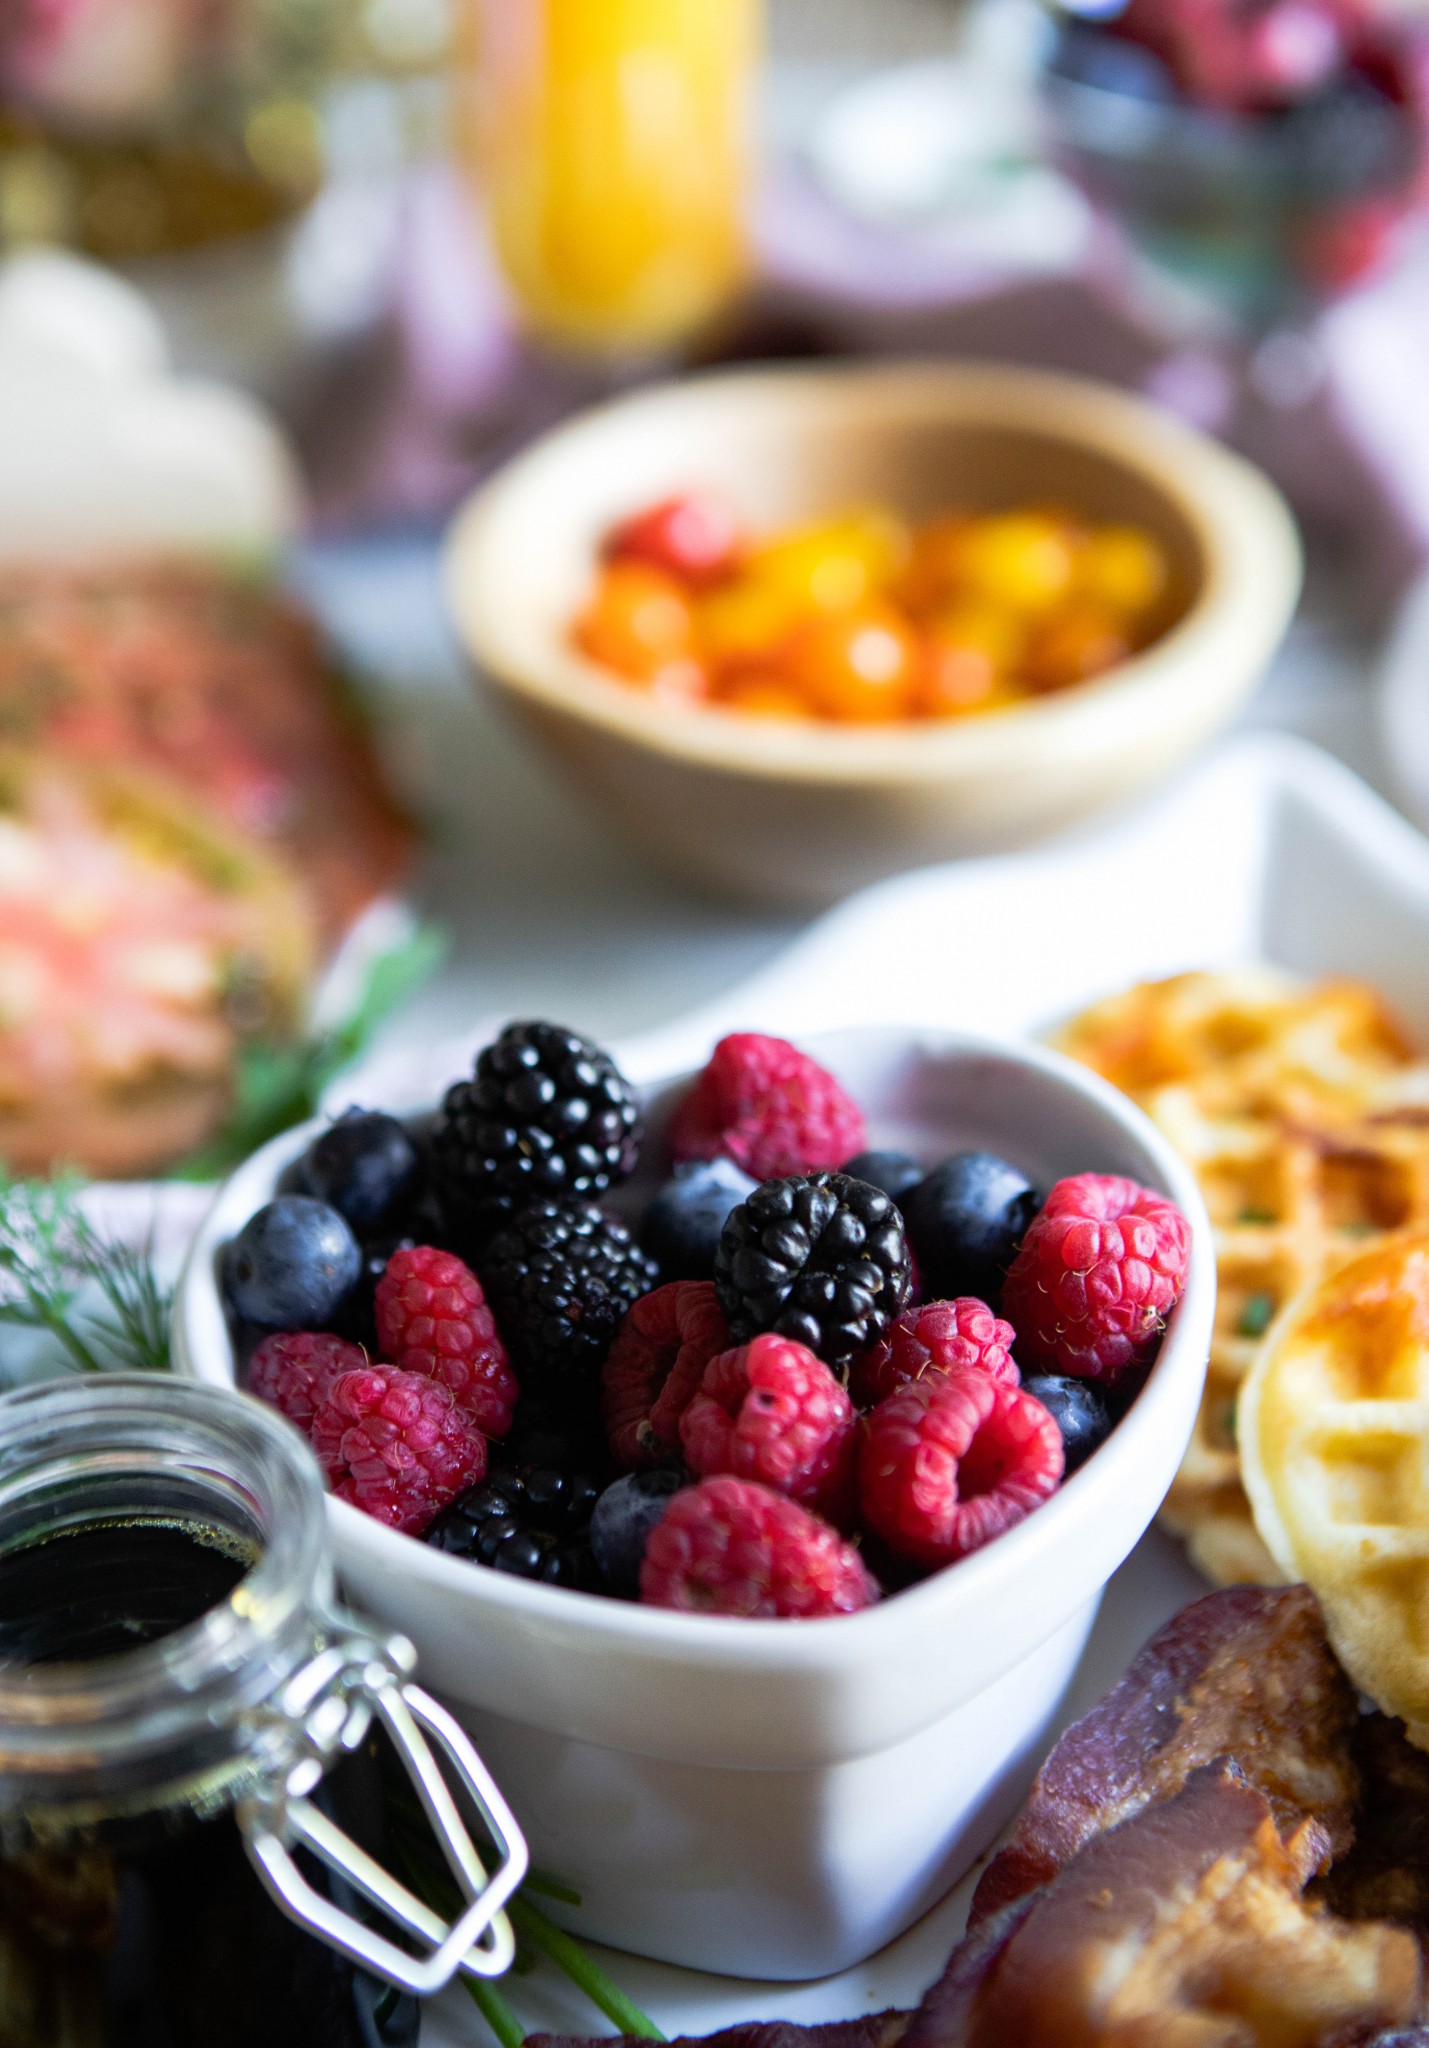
(131, 129)
(190, 1826)
(611, 148)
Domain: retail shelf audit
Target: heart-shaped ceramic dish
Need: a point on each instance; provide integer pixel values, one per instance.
(781, 1799)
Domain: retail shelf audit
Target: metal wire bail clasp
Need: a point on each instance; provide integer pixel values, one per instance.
(325, 1709)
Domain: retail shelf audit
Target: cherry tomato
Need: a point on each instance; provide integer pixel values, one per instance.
(833, 564)
(969, 651)
(1079, 641)
(637, 622)
(1123, 569)
(744, 622)
(930, 575)
(695, 537)
(859, 666)
(1023, 560)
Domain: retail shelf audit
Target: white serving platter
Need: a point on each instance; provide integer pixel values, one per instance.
(1270, 851)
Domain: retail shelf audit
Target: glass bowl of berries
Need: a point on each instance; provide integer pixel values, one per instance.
(1267, 155)
(745, 1452)
(794, 630)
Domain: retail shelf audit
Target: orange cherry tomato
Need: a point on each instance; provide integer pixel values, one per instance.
(638, 621)
(1123, 569)
(930, 575)
(743, 622)
(695, 538)
(858, 666)
(1076, 643)
(969, 653)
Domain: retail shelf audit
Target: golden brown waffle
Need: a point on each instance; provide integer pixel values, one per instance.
(1334, 1430)
(1305, 1117)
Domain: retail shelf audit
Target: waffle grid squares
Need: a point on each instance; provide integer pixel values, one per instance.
(1305, 1117)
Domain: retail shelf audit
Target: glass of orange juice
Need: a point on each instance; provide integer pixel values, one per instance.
(612, 145)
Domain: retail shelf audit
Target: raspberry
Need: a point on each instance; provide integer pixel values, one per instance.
(772, 1411)
(432, 1318)
(1099, 1271)
(654, 1368)
(945, 1336)
(947, 1464)
(768, 1107)
(293, 1367)
(396, 1444)
(728, 1546)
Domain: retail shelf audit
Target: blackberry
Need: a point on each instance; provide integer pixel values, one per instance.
(545, 1116)
(559, 1281)
(531, 1520)
(819, 1257)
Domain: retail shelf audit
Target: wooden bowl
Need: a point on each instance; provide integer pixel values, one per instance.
(801, 813)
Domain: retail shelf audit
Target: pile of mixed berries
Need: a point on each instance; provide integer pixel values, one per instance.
(795, 1385)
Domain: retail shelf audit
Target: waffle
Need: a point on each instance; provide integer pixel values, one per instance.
(1334, 1435)
(1305, 1117)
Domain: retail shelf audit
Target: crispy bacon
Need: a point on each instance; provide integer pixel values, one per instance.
(1245, 1672)
(1185, 1924)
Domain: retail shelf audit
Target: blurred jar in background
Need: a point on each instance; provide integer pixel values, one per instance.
(138, 128)
(611, 141)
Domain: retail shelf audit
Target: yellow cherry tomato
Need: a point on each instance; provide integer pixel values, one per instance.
(968, 651)
(744, 621)
(1123, 569)
(855, 666)
(1023, 560)
(1077, 642)
(833, 564)
(638, 621)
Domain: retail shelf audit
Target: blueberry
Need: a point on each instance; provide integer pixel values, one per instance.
(291, 1264)
(965, 1220)
(624, 1516)
(682, 1223)
(894, 1172)
(1079, 1411)
(365, 1165)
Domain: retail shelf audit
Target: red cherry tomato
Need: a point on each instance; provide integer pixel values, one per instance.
(695, 537)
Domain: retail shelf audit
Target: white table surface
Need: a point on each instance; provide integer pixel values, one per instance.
(548, 916)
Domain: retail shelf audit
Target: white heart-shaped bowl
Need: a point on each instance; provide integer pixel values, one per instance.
(779, 1799)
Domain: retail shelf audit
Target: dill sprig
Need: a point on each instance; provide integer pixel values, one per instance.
(100, 1300)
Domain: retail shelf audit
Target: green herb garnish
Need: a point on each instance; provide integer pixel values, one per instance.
(1256, 1316)
(412, 1842)
(52, 1257)
(277, 1086)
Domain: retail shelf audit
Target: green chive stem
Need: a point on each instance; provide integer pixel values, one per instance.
(568, 1955)
(495, 2011)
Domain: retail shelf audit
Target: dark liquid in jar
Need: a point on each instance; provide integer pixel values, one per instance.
(154, 1930)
